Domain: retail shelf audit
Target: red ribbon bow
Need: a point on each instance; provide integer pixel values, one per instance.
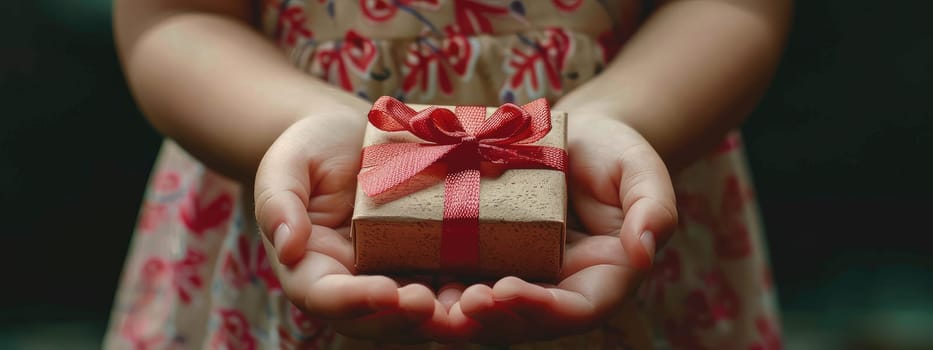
(461, 139)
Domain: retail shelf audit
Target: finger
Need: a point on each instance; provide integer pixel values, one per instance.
(581, 301)
(532, 303)
(597, 277)
(417, 301)
(514, 288)
(342, 296)
(389, 326)
(442, 327)
(323, 287)
(475, 298)
(648, 201)
(331, 202)
(526, 311)
(401, 324)
(282, 190)
(583, 251)
(595, 177)
(449, 294)
(460, 327)
(590, 295)
(596, 216)
(438, 326)
(334, 164)
(333, 243)
(496, 324)
(383, 326)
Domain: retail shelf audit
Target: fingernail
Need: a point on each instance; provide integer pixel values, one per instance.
(647, 241)
(280, 236)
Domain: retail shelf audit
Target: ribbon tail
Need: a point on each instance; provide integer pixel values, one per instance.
(460, 228)
(400, 168)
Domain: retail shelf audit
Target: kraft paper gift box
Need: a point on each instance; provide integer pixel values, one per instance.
(522, 216)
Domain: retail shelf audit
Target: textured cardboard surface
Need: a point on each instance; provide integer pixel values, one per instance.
(522, 219)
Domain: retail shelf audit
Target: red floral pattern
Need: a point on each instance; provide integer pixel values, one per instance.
(732, 240)
(355, 53)
(384, 10)
(716, 301)
(153, 214)
(728, 227)
(139, 329)
(200, 217)
(152, 270)
(704, 307)
(422, 70)
(473, 15)
(568, 5)
(166, 182)
(248, 264)
(730, 143)
(187, 277)
(428, 64)
(540, 64)
(292, 26)
(770, 335)
(460, 51)
(666, 272)
(234, 332)
(304, 333)
(134, 331)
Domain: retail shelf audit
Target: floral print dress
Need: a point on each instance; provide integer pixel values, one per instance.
(197, 275)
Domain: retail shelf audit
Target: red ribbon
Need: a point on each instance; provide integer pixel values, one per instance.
(461, 139)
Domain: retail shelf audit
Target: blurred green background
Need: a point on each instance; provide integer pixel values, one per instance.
(839, 149)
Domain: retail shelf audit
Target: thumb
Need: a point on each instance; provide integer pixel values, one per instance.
(282, 191)
(621, 187)
(648, 203)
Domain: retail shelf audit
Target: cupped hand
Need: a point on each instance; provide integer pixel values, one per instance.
(623, 196)
(303, 198)
(620, 186)
(620, 192)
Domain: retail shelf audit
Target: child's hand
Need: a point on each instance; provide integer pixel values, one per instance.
(620, 189)
(304, 193)
(619, 186)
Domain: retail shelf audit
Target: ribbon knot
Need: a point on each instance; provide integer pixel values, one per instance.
(461, 139)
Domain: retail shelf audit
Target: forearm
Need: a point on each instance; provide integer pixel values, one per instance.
(209, 81)
(693, 72)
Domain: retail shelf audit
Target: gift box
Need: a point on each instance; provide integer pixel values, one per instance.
(473, 192)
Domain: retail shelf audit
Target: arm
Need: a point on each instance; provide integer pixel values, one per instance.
(690, 73)
(693, 72)
(205, 78)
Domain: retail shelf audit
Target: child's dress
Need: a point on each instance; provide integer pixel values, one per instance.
(197, 274)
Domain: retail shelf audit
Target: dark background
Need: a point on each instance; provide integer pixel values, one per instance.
(839, 150)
